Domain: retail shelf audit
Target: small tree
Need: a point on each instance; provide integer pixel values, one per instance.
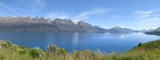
(139, 44)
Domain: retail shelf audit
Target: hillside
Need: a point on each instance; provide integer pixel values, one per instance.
(26, 23)
(9, 51)
(146, 51)
(120, 30)
(42, 24)
(154, 32)
(153, 45)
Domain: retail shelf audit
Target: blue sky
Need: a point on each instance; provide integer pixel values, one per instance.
(134, 14)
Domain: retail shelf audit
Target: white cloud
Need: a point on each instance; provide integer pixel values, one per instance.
(150, 21)
(87, 14)
(146, 14)
(32, 2)
(121, 26)
(54, 15)
(2, 5)
(92, 12)
(36, 5)
(39, 1)
(33, 5)
(149, 18)
(82, 16)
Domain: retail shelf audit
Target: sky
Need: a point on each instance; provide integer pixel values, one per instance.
(134, 14)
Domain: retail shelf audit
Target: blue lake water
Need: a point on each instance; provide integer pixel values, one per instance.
(78, 41)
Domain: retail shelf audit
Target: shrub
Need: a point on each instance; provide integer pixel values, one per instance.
(63, 51)
(52, 48)
(36, 52)
(23, 51)
(7, 44)
(139, 44)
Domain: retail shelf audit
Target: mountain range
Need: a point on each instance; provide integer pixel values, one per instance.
(26, 23)
(20, 23)
(154, 32)
(120, 30)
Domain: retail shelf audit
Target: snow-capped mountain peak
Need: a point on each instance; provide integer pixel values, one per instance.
(75, 21)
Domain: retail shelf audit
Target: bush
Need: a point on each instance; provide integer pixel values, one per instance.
(36, 52)
(52, 48)
(139, 44)
(63, 51)
(7, 44)
(23, 51)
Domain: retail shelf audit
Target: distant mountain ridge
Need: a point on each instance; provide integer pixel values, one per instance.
(26, 23)
(120, 30)
(20, 23)
(154, 32)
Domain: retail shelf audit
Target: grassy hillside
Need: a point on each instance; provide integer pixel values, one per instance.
(9, 51)
(146, 51)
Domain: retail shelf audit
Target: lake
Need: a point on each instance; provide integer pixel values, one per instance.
(78, 41)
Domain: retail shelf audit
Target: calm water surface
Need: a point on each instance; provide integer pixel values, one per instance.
(78, 41)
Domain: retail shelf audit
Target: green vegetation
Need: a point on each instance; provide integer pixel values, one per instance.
(143, 51)
(36, 52)
(9, 51)
(146, 51)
